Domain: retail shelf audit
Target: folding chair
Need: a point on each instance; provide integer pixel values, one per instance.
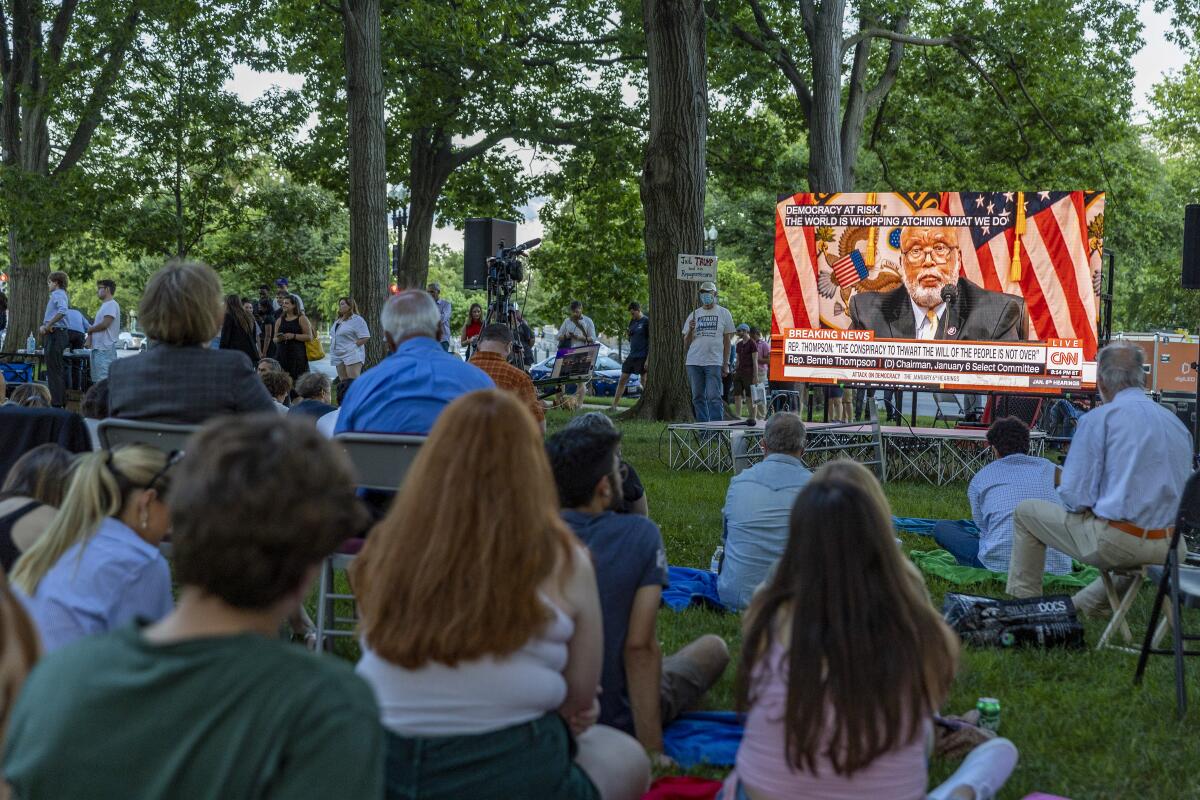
(380, 462)
(1120, 603)
(167, 438)
(949, 408)
(1182, 583)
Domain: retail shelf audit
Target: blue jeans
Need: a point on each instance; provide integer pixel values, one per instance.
(962, 543)
(706, 393)
(101, 361)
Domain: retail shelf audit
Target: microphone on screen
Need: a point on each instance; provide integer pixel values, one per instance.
(949, 293)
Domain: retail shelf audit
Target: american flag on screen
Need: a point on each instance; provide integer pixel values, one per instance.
(850, 269)
(1054, 275)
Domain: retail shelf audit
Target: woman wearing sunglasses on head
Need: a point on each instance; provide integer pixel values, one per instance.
(98, 565)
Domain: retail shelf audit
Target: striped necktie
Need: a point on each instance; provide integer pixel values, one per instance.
(930, 330)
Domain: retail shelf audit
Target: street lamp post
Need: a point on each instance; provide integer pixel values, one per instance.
(399, 225)
(710, 241)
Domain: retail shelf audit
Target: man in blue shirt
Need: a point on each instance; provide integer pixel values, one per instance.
(1120, 486)
(54, 329)
(406, 391)
(758, 508)
(640, 690)
(994, 493)
(639, 350)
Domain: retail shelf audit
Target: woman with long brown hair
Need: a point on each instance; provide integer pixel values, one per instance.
(845, 661)
(481, 624)
(29, 499)
(237, 331)
(19, 649)
(346, 340)
(291, 332)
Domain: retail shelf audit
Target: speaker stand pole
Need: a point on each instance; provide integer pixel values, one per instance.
(1196, 415)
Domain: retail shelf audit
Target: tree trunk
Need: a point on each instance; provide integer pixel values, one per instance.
(431, 161)
(825, 173)
(27, 294)
(672, 189)
(369, 262)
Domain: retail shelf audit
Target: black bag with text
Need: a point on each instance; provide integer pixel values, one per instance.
(1046, 622)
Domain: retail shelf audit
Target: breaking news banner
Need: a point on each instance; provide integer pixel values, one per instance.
(984, 290)
(860, 357)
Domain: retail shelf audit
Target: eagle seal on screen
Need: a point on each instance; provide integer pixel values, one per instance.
(934, 302)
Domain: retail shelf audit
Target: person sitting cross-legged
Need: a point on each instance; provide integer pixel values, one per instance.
(481, 626)
(642, 691)
(208, 702)
(845, 662)
(994, 494)
(406, 391)
(491, 356)
(1120, 487)
(757, 507)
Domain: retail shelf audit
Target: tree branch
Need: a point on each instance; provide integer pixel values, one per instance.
(895, 36)
(93, 111)
(1012, 66)
(60, 29)
(890, 70)
(785, 64)
(1000, 95)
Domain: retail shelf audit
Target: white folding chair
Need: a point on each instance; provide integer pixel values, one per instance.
(329, 623)
(1120, 603)
(159, 435)
(949, 409)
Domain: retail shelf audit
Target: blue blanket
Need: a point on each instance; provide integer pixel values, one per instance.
(924, 527)
(691, 587)
(704, 737)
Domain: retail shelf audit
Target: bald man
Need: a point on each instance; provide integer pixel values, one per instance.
(917, 310)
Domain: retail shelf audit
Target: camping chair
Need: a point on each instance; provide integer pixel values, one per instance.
(167, 438)
(949, 408)
(1182, 583)
(380, 462)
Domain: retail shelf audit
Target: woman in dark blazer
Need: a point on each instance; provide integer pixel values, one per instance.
(180, 379)
(237, 331)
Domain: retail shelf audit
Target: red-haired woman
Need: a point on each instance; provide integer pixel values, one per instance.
(482, 627)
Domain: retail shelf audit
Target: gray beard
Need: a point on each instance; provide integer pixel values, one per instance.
(925, 296)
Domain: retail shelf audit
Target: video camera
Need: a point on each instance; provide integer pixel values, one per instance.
(504, 271)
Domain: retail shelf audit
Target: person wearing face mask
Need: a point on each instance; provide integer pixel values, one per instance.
(708, 336)
(934, 302)
(98, 567)
(1120, 487)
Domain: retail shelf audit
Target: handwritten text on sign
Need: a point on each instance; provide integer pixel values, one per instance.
(697, 268)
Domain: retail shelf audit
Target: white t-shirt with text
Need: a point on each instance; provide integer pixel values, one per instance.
(708, 343)
(106, 338)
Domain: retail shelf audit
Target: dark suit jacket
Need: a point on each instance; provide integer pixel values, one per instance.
(184, 385)
(22, 429)
(977, 315)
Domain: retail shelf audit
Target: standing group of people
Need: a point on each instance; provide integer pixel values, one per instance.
(65, 328)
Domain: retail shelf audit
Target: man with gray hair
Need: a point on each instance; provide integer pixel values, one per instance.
(1120, 486)
(406, 391)
(758, 508)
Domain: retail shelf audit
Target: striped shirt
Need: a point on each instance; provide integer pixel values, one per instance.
(510, 379)
(996, 491)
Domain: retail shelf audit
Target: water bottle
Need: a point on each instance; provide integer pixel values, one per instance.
(30, 343)
(718, 554)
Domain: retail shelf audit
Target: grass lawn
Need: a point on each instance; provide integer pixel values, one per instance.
(1083, 730)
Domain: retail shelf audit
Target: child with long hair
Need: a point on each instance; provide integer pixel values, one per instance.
(481, 624)
(845, 661)
(98, 566)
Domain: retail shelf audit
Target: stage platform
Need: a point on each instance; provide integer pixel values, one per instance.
(896, 452)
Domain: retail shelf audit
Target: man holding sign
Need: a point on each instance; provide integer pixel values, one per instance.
(934, 302)
(707, 334)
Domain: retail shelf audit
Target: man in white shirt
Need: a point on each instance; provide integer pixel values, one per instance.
(444, 309)
(106, 330)
(708, 334)
(577, 331)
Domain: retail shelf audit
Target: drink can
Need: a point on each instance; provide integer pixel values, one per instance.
(989, 713)
(718, 556)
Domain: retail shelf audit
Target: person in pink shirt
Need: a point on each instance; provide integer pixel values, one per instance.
(845, 661)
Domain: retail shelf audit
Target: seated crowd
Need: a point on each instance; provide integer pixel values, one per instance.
(509, 639)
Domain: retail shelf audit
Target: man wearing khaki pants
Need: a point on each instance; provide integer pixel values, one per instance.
(1120, 486)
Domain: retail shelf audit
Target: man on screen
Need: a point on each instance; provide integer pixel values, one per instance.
(934, 302)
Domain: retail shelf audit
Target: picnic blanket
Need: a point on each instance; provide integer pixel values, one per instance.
(942, 564)
(704, 737)
(923, 526)
(691, 587)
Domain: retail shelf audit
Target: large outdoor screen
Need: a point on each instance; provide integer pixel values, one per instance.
(955, 290)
